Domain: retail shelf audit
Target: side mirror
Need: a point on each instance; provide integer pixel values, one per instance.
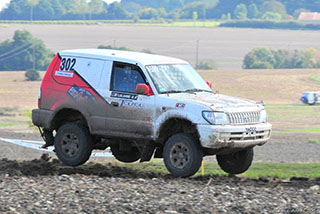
(144, 89)
(209, 84)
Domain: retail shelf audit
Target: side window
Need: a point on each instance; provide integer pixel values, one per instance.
(125, 77)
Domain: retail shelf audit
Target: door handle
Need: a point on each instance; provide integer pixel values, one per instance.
(116, 104)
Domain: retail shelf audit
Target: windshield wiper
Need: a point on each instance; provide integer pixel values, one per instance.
(197, 90)
(171, 91)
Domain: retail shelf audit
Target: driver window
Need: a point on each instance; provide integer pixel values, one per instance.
(125, 77)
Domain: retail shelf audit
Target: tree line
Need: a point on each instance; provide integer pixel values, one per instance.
(266, 58)
(156, 9)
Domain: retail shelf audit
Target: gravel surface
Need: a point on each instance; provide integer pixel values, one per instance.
(46, 186)
(42, 186)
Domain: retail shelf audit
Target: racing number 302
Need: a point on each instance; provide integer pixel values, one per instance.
(67, 64)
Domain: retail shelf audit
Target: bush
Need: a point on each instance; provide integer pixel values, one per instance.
(19, 53)
(122, 48)
(206, 65)
(32, 75)
(265, 58)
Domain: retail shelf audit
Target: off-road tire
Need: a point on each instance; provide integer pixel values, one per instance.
(236, 163)
(182, 155)
(129, 156)
(73, 144)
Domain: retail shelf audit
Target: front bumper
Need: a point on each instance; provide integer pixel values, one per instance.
(234, 136)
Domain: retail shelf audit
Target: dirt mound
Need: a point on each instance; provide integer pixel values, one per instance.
(46, 167)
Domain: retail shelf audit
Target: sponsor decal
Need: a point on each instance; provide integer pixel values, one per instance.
(180, 105)
(80, 94)
(131, 103)
(63, 74)
(124, 96)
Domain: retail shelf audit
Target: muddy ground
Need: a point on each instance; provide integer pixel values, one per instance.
(44, 186)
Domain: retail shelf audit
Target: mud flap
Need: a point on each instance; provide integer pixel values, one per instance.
(147, 153)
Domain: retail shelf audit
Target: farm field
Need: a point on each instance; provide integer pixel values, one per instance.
(226, 46)
(279, 89)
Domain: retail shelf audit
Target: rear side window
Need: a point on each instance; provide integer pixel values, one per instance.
(125, 77)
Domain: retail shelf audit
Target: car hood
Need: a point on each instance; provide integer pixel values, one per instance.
(218, 102)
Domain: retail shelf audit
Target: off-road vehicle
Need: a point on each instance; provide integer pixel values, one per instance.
(143, 106)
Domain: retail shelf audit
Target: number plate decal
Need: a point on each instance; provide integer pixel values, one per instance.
(251, 129)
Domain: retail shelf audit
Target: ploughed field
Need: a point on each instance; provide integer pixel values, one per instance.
(226, 46)
(29, 184)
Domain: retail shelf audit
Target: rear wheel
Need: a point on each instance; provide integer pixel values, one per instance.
(182, 155)
(236, 163)
(127, 156)
(73, 144)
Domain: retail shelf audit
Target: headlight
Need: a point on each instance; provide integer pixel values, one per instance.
(263, 116)
(217, 118)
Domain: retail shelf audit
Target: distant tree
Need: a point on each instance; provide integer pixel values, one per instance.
(271, 16)
(117, 11)
(265, 58)
(206, 65)
(148, 13)
(274, 7)
(80, 8)
(162, 13)
(96, 7)
(132, 7)
(240, 12)
(18, 54)
(198, 7)
(259, 58)
(253, 11)
(282, 58)
(32, 75)
(44, 11)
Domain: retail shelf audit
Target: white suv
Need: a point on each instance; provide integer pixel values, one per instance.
(142, 105)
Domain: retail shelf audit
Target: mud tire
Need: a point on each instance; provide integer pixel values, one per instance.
(73, 144)
(126, 156)
(237, 162)
(182, 155)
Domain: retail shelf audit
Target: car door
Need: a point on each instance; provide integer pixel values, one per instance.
(129, 114)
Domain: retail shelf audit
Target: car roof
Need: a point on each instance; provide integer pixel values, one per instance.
(123, 56)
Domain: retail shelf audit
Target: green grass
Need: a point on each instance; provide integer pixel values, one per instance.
(279, 170)
(9, 124)
(306, 130)
(315, 78)
(296, 112)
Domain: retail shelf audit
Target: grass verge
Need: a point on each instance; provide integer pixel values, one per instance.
(278, 170)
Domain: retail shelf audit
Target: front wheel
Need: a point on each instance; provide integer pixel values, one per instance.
(182, 155)
(73, 144)
(236, 163)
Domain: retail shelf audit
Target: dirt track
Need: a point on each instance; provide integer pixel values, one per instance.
(42, 186)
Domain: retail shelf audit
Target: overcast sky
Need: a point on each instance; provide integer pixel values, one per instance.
(4, 2)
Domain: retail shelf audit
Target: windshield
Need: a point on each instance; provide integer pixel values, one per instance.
(176, 78)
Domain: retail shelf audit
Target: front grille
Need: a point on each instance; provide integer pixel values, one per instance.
(244, 117)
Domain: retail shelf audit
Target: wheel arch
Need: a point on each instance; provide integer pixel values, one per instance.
(68, 115)
(175, 125)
